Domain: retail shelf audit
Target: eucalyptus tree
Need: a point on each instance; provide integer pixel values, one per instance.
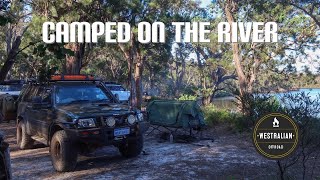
(309, 8)
(253, 60)
(14, 21)
(135, 53)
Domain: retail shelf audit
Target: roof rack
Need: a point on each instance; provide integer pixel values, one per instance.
(72, 77)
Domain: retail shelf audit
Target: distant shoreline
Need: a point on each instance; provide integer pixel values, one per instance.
(230, 97)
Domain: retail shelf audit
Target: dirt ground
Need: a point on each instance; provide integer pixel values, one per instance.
(230, 156)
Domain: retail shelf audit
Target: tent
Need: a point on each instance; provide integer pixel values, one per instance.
(175, 114)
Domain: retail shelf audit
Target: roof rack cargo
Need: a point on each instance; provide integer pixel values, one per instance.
(72, 77)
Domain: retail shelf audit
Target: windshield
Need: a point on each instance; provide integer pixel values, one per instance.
(16, 87)
(115, 88)
(79, 93)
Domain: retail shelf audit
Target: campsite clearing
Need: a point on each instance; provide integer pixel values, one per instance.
(230, 156)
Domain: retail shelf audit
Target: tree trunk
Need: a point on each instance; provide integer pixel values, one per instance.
(245, 85)
(131, 81)
(12, 49)
(235, 48)
(74, 63)
(128, 54)
(206, 98)
(12, 54)
(179, 73)
(138, 78)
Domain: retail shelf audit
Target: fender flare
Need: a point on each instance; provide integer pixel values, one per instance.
(54, 127)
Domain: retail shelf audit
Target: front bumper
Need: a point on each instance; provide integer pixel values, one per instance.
(103, 136)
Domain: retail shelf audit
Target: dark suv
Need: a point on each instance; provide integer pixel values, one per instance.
(76, 116)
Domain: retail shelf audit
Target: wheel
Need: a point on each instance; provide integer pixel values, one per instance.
(63, 152)
(132, 148)
(24, 141)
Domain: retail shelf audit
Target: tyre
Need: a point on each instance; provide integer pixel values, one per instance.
(5, 164)
(24, 141)
(63, 152)
(132, 148)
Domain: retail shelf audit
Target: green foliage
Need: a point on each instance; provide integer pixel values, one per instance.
(301, 107)
(235, 121)
(214, 116)
(57, 49)
(4, 15)
(264, 104)
(187, 97)
(169, 74)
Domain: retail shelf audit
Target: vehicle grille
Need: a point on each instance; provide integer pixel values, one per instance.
(120, 120)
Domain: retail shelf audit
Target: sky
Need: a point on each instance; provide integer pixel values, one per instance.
(205, 3)
(312, 60)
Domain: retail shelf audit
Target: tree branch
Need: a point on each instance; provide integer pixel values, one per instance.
(307, 12)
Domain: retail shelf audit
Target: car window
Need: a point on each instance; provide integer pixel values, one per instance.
(15, 87)
(45, 94)
(116, 88)
(30, 92)
(65, 94)
(23, 92)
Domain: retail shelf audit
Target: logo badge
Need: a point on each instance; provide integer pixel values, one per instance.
(275, 135)
(275, 123)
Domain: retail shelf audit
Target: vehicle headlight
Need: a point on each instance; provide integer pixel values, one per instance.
(132, 119)
(86, 123)
(110, 121)
(140, 116)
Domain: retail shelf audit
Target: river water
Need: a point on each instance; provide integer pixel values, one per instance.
(312, 92)
(229, 102)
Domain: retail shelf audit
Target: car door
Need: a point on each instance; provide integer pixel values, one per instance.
(43, 114)
(30, 114)
(46, 113)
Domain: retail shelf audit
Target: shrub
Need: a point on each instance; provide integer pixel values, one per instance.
(187, 97)
(214, 116)
(255, 106)
(260, 105)
(305, 111)
(264, 104)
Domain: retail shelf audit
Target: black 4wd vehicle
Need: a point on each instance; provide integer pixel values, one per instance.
(76, 116)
